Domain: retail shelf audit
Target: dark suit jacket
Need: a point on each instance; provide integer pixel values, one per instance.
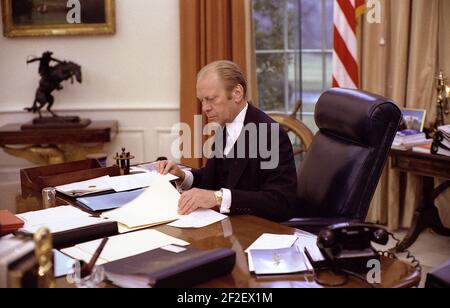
(266, 193)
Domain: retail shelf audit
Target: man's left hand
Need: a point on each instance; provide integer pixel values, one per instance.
(194, 199)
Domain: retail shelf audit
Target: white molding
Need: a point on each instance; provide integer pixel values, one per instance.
(141, 132)
(165, 130)
(82, 108)
(131, 130)
(163, 134)
(10, 176)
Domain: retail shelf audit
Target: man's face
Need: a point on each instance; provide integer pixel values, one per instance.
(217, 105)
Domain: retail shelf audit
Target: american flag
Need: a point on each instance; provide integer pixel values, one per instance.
(345, 51)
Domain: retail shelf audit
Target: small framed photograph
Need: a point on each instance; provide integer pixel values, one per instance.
(413, 119)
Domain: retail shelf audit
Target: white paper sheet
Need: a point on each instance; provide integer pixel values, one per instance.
(273, 241)
(198, 219)
(139, 180)
(58, 219)
(270, 241)
(78, 254)
(123, 246)
(85, 187)
(445, 129)
(156, 205)
(124, 229)
(62, 264)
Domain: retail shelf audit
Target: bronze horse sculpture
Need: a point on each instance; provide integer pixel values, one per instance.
(51, 79)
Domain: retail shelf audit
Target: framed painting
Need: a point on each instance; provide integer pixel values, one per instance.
(31, 18)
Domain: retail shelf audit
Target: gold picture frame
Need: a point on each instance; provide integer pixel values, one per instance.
(34, 18)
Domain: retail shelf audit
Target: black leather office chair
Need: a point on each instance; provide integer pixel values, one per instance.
(341, 170)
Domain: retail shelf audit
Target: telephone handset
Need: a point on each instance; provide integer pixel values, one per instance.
(347, 246)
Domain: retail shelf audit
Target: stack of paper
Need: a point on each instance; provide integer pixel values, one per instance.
(58, 219)
(123, 246)
(92, 186)
(118, 183)
(109, 201)
(140, 180)
(152, 167)
(158, 204)
(198, 219)
(407, 139)
(441, 146)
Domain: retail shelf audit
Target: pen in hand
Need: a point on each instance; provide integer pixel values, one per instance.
(86, 269)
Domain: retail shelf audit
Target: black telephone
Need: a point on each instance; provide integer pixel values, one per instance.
(347, 246)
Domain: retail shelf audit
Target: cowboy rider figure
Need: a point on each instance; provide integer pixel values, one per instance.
(44, 65)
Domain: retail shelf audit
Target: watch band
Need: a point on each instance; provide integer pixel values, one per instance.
(219, 196)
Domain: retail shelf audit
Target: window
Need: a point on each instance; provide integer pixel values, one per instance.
(293, 53)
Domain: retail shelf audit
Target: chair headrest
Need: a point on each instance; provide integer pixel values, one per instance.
(354, 114)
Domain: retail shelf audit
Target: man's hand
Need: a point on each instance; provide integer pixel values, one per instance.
(165, 166)
(195, 199)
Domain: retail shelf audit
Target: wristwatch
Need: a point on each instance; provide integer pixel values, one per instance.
(218, 195)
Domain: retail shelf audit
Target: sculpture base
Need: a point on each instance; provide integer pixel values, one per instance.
(56, 123)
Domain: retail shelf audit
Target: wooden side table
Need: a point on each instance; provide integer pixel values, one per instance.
(428, 166)
(51, 146)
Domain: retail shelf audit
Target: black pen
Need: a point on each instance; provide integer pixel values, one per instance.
(86, 269)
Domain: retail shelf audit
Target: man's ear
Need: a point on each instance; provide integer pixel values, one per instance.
(238, 93)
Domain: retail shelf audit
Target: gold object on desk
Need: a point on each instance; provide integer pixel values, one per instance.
(443, 91)
(53, 154)
(44, 256)
(37, 155)
(53, 146)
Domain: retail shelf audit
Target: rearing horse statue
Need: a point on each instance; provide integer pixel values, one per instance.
(51, 78)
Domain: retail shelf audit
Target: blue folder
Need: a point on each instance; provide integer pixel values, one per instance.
(109, 201)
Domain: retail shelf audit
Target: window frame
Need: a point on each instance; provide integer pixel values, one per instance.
(287, 52)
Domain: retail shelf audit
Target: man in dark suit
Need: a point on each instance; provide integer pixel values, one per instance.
(256, 175)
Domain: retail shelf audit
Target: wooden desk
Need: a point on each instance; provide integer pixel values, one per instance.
(427, 166)
(50, 146)
(238, 232)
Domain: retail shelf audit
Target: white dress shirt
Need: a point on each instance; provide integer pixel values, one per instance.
(233, 131)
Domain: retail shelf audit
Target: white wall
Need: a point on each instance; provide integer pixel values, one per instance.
(132, 76)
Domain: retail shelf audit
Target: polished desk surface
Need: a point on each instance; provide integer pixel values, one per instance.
(238, 232)
(421, 164)
(96, 132)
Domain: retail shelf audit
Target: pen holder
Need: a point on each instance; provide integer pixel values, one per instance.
(91, 281)
(123, 161)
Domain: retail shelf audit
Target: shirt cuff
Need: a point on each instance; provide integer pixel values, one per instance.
(226, 201)
(188, 180)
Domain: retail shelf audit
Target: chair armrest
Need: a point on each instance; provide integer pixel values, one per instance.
(314, 225)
